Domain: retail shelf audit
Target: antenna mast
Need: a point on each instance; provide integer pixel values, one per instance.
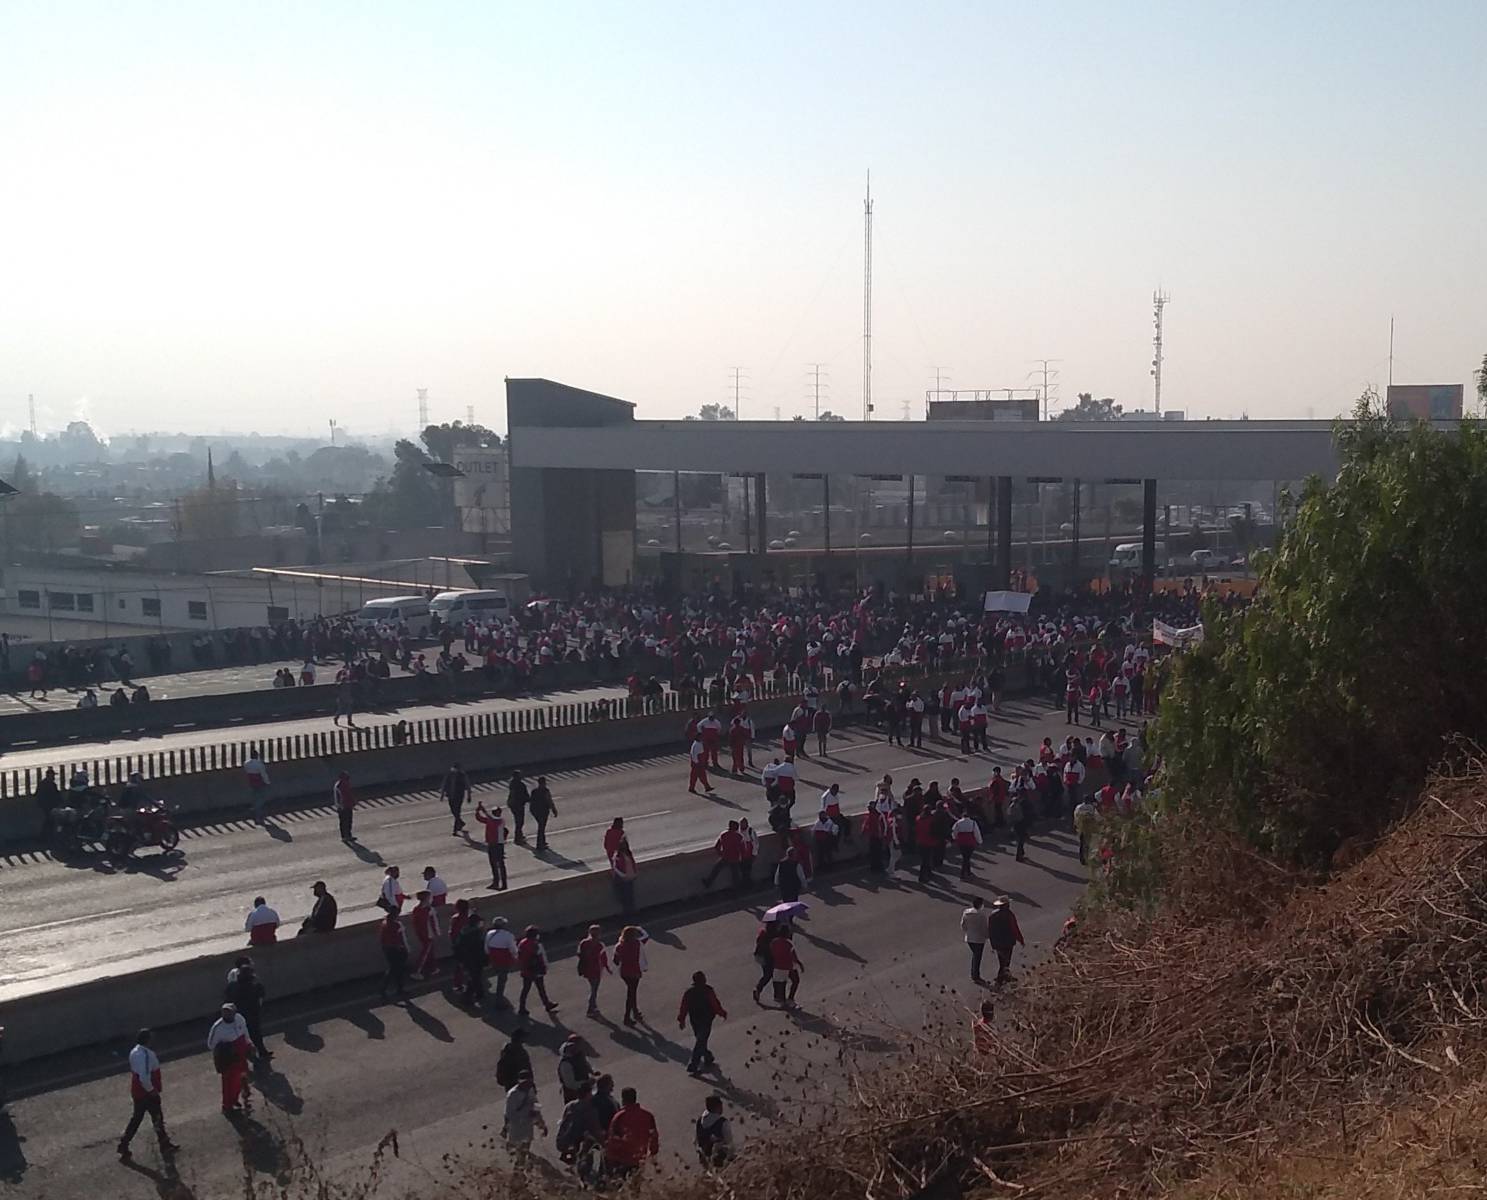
(1159, 301)
(423, 409)
(867, 301)
(31, 402)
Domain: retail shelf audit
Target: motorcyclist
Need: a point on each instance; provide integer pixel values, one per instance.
(133, 797)
(78, 784)
(48, 799)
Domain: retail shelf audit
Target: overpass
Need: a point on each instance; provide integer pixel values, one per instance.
(574, 454)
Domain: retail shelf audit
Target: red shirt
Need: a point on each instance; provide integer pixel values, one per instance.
(627, 959)
(632, 1137)
(730, 846)
(391, 934)
(612, 839)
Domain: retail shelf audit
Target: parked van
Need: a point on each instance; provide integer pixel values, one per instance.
(412, 611)
(1127, 557)
(455, 608)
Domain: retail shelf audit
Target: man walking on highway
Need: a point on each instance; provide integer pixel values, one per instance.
(144, 1090)
(632, 1137)
(246, 994)
(698, 771)
(542, 808)
(500, 953)
(228, 1042)
(966, 834)
(973, 927)
(390, 898)
(256, 774)
(495, 842)
(1004, 935)
(454, 789)
(531, 957)
(426, 928)
(394, 944)
(700, 1005)
(516, 801)
(343, 800)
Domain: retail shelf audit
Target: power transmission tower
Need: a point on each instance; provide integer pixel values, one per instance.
(816, 380)
(738, 378)
(1050, 380)
(31, 403)
(867, 301)
(1159, 300)
(469, 414)
(423, 409)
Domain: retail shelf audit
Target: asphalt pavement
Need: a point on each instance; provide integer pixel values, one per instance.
(885, 974)
(70, 921)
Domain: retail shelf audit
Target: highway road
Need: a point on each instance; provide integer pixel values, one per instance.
(68, 922)
(180, 739)
(880, 960)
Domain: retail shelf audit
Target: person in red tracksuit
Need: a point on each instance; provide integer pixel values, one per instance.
(698, 774)
(531, 957)
(926, 841)
(738, 744)
(711, 730)
(426, 928)
(629, 958)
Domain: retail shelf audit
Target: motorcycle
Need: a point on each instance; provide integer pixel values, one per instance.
(81, 824)
(148, 825)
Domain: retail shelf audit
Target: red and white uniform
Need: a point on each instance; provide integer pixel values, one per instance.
(426, 926)
(262, 926)
(698, 773)
(500, 949)
(710, 729)
(233, 1034)
(438, 891)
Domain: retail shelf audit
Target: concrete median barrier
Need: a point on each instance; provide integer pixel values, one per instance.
(113, 1008)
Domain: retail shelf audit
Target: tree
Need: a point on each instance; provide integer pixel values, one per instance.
(409, 498)
(712, 412)
(1309, 717)
(1090, 409)
(40, 521)
(443, 440)
(828, 415)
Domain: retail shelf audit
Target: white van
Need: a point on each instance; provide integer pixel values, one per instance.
(412, 611)
(455, 608)
(1127, 557)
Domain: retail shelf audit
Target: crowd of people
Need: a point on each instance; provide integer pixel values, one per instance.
(1093, 667)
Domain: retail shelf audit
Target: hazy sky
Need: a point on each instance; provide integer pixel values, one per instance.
(263, 215)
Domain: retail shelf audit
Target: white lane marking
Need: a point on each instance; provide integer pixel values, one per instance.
(665, 812)
(415, 821)
(98, 916)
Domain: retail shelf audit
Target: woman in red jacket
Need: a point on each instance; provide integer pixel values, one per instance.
(786, 966)
(629, 957)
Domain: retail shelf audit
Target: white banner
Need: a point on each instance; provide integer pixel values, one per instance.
(1012, 602)
(1169, 635)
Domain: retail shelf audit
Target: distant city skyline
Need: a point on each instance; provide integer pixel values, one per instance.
(269, 217)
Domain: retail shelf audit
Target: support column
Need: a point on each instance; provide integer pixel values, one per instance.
(1074, 540)
(826, 507)
(1003, 573)
(676, 497)
(911, 524)
(1149, 532)
(748, 528)
(761, 496)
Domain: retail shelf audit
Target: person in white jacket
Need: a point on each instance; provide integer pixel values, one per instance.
(523, 1117)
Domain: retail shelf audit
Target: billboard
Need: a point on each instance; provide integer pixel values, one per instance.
(482, 491)
(1425, 401)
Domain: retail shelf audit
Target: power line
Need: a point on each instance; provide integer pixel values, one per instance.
(738, 378)
(815, 375)
(1050, 381)
(867, 301)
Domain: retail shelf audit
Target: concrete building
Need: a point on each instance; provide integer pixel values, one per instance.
(574, 454)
